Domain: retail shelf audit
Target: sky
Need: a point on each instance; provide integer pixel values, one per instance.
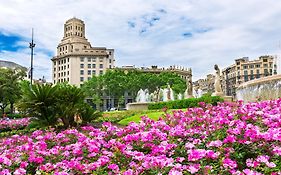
(187, 33)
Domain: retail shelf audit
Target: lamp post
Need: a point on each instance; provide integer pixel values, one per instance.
(31, 46)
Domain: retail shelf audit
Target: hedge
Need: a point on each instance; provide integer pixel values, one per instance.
(186, 103)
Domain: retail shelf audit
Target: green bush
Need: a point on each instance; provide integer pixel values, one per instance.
(186, 103)
(15, 116)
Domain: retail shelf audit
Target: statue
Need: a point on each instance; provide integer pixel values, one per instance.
(217, 85)
(169, 92)
(156, 95)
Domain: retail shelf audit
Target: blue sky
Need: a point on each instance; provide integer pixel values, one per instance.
(189, 33)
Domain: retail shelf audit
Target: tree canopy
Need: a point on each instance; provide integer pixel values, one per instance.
(9, 87)
(116, 82)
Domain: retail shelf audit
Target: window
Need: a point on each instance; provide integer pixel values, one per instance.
(89, 78)
(265, 72)
(67, 59)
(67, 72)
(59, 68)
(109, 60)
(54, 69)
(246, 78)
(94, 72)
(59, 62)
(245, 67)
(89, 65)
(258, 65)
(109, 53)
(64, 73)
(101, 66)
(264, 60)
(64, 67)
(81, 72)
(68, 66)
(54, 63)
(81, 59)
(251, 66)
(81, 65)
(81, 79)
(109, 66)
(93, 65)
(101, 72)
(64, 61)
(89, 59)
(270, 71)
(252, 76)
(89, 72)
(245, 72)
(101, 60)
(54, 81)
(54, 75)
(238, 68)
(59, 74)
(265, 65)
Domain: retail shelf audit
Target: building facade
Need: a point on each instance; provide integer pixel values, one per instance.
(244, 70)
(205, 85)
(76, 60)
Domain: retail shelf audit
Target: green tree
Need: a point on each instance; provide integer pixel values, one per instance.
(10, 87)
(94, 88)
(40, 102)
(49, 103)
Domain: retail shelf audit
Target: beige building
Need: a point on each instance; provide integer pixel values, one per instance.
(77, 61)
(205, 85)
(245, 70)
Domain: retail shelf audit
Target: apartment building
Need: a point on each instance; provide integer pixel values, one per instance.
(76, 60)
(244, 70)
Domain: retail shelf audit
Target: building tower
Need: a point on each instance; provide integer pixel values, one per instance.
(76, 60)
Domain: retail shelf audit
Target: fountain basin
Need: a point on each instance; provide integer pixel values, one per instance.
(265, 88)
(138, 106)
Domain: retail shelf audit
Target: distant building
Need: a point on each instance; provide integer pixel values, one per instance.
(245, 70)
(77, 61)
(206, 85)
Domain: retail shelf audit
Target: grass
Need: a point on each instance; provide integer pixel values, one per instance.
(136, 118)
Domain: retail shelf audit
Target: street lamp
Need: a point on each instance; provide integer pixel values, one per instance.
(31, 46)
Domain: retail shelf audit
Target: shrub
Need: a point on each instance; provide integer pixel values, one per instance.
(186, 103)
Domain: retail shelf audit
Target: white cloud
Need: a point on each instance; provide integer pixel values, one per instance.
(249, 28)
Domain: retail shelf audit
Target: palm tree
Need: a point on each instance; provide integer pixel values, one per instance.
(39, 101)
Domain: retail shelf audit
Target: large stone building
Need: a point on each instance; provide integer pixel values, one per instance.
(245, 70)
(76, 60)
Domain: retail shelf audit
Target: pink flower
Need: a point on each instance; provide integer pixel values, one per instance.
(20, 171)
(228, 163)
(193, 168)
(196, 154)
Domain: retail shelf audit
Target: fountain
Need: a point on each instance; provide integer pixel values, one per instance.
(144, 98)
(260, 89)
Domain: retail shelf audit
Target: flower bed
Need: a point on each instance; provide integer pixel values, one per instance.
(11, 124)
(224, 139)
